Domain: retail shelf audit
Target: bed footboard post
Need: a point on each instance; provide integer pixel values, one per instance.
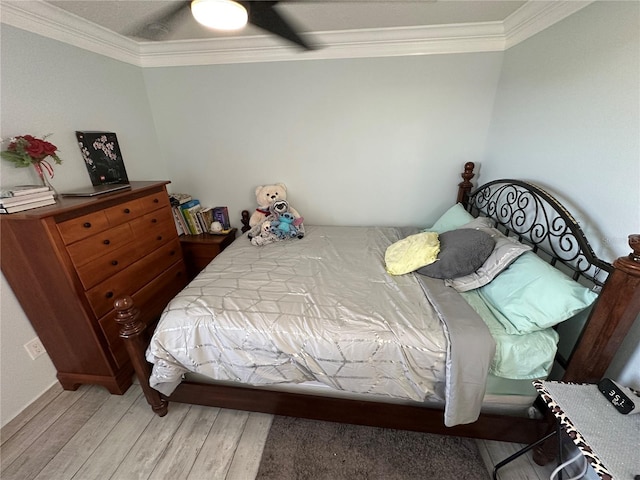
(464, 187)
(611, 318)
(131, 333)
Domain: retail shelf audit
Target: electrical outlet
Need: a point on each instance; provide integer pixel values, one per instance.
(34, 348)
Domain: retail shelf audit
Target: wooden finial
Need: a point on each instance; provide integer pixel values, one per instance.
(634, 243)
(465, 186)
(245, 221)
(128, 317)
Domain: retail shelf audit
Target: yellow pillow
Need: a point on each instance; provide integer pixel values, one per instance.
(412, 253)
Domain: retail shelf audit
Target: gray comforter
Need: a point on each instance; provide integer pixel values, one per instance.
(324, 309)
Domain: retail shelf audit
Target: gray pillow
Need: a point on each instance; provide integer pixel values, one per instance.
(507, 249)
(462, 252)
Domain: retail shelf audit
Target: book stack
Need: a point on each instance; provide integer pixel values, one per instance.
(25, 197)
(191, 218)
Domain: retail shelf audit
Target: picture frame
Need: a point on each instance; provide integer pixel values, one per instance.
(102, 157)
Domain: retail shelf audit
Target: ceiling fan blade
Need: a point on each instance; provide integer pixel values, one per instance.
(159, 27)
(263, 14)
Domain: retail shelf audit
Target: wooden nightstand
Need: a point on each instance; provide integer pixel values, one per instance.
(199, 250)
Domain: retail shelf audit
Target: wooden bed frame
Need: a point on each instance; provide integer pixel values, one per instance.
(610, 319)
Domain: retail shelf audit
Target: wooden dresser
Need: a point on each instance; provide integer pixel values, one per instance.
(68, 262)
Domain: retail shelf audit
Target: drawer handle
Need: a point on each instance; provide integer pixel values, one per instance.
(154, 220)
(86, 224)
(126, 210)
(159, 237)
(172, 253)
(155, 200)
(107, 241)
(114, 262)
(109, 294)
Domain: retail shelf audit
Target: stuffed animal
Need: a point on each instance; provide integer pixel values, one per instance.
(277, 207)
(286, 225)
(281, 221)
(265, 236)
(266, 195)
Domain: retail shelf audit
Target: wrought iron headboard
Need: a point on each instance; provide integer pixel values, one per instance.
(535, 217)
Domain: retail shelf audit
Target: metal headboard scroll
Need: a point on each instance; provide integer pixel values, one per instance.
(535, 217)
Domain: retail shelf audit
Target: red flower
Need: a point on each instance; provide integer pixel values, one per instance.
(48, 148)
(35, 148)
(26, 150)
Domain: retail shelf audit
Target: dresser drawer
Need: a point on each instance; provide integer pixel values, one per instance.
(153, 202)
(107, 264)
(160, 237)
(131, 279)
(153, 230)
(83, 227)
(124, 212)
(150, 300)
(151, 222)
(103, 243)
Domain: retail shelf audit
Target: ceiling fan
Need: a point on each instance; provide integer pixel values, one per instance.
(263, 14)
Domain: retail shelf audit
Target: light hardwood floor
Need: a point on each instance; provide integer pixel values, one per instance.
(90, 434)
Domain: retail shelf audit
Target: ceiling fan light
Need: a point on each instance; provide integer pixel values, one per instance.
(219, 14)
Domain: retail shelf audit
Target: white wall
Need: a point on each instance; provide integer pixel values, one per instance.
(355, 141)
(51, 87)
(567, 116)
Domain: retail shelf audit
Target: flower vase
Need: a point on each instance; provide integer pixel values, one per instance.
(44, 180)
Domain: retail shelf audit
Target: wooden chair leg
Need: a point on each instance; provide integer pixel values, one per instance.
(131, 333)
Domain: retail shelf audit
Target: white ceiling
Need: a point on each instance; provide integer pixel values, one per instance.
(342, 29)
(126, 17)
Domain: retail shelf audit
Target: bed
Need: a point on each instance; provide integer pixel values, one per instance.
(299, 328)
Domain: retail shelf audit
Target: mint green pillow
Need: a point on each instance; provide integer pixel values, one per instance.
(532, 295)
(453, 218)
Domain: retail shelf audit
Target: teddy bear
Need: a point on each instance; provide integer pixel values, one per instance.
(266, 195)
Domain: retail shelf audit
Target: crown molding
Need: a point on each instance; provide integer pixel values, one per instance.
(533, 17)
(481, 37)
(52, 22)
(49, 21)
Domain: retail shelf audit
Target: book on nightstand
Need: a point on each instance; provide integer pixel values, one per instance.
(221, 214)
(206, 214)
(189, 210)
(178, 199)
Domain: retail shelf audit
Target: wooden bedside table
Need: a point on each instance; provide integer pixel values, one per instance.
(199, 250)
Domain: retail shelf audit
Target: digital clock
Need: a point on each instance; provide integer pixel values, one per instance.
(618, 396)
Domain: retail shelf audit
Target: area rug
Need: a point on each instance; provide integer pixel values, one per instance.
(306, 449)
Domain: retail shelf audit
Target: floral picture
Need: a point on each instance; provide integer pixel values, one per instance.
(102, 157)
